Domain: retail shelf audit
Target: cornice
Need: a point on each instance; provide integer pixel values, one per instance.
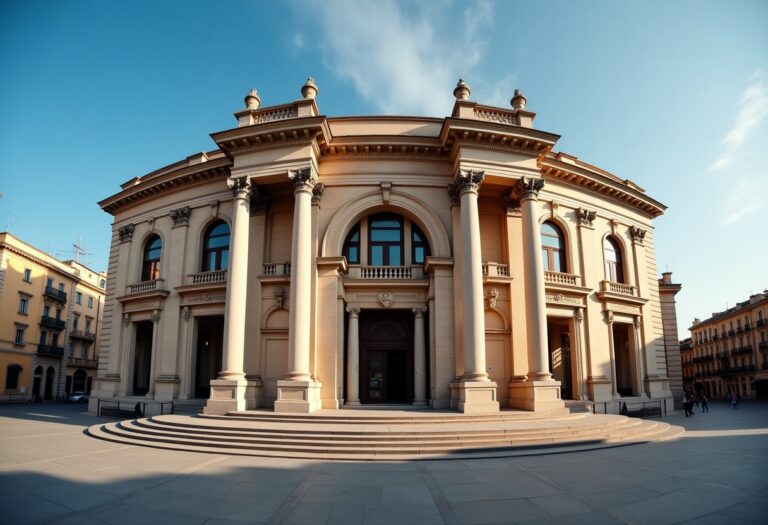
(601, 182)
(305, 129)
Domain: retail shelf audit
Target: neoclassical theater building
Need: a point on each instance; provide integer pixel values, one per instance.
(316, 262)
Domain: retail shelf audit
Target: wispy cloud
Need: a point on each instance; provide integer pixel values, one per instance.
(754, 108)
(404, 58)
(744, 197)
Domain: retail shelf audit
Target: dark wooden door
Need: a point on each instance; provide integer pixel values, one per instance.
(386, 348)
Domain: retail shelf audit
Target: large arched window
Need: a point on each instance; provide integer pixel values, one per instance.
(553, 248)
(419, 245)
(216, 247)
(385, 240)
(12, 377)
(352, 245)
(150, 268)
(614, 268)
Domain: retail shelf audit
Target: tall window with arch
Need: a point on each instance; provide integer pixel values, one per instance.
(391, 240)
(614, 267)
(216, 247)
(553, 248)
(150, 268)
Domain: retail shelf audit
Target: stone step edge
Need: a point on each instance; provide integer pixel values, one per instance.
(385, 420)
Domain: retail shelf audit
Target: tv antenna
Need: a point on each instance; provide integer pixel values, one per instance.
(80, 250)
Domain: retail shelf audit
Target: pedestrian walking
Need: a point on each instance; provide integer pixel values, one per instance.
(704, 405)
(687, 404)
(734, 400)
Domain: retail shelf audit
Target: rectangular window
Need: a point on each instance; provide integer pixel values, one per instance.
(75, 322)
(88, 325)
(79, 298)
(27, 275)
(49, 283)
(19, 339)
(58, 314)
(43, 337)
(47, 310)
(23, 305)
(61, 287)
(90, 302)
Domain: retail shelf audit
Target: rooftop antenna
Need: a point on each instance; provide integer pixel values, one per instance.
(9, 221)
(79, 250)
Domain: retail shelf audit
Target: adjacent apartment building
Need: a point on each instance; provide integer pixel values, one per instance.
(729, 351)
(316, 262)
(50, 314)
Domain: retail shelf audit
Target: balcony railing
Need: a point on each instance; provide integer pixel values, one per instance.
(82, 334)
(618, 288)
(742, 350)
(53, 293)
(731, 332)
(217, 276)
(760, 323)
(748, 328)
(567, 279)
(76, 362)
(397, 273)
(763, 346)
(145, 286)
(56, 351)
(52, 322)
(702, 358)
(493, 269)
(277, 269)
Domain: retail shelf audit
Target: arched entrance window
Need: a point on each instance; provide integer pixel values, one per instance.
(150, 268)
(385, 240)
(553, 248)
(12, 377)
(614, 269)
(216, 247)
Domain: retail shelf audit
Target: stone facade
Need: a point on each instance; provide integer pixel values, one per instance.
(381, 260)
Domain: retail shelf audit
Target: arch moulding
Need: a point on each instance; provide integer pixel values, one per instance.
(409, 206)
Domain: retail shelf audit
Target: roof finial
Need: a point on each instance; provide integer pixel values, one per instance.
(461, 92)
(518, 101)
(252, 100)
(309, 89)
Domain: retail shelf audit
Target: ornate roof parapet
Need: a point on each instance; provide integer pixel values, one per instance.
(305, 107)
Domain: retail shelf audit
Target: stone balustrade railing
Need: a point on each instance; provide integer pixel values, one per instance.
(216, 276)
(386, 272)
(272, 114)
(495, 115)
(567, 279)
(619, 288)
(494, 269)
(145, 286)
(277, 269)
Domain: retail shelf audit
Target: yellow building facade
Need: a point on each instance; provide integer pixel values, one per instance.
(51, 312)
(321, 262)
(729, 351)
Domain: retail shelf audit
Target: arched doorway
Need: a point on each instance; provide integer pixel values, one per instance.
(386, 356)
(50, 375)
(78, 380)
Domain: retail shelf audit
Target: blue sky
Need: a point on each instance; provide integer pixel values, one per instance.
(672, 94)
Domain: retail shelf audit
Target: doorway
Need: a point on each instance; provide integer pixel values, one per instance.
(560, 362)
(50, 375)
(626, 368)
(142, 363)
(386, 356)
(210, 339)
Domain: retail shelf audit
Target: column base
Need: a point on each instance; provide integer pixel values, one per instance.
(474, 397)
(352, 403)
(166, 388)
(298, 397)
(420, 403)
(537, 396)
(232, 395)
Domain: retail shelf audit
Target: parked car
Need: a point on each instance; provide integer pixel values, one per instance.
(78, 397)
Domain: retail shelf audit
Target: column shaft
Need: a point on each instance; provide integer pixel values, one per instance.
(419, 359)
(612, 351)
(234, 317)
(153, 355)
(536, 305)
(301, 277)
(353, 357)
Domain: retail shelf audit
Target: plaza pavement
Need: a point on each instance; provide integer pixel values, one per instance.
(50, 472)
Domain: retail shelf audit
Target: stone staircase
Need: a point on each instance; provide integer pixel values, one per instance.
(366, 435)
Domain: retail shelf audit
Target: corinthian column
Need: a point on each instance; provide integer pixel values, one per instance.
(228, 392)
(536, 305)
(234, 318)
(298, 392)
(419, 358)
(474, 393)
(353, 357)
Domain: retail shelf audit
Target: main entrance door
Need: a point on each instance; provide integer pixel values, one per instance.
(386, 348)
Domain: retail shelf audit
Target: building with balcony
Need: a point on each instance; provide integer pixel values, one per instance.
(729, 350)
(50, 313)
(324, 262)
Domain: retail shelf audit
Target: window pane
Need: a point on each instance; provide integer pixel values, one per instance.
(394, 256)
(377, 255)
(557, 266)
(550, 241)
(419, 255)
(355, 237)
(385, 223)
(545, 260)
(352, 258)
(224, 260)
(385, 235)
(218, 242)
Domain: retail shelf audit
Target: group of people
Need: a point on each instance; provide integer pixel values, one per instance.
(692, 402)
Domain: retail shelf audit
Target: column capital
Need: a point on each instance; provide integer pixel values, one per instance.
(466, 181)
(353, 311)
(126, 232)
(303, 179)
(529, 187)
(419, 311)
(317, 192)
(240, 186)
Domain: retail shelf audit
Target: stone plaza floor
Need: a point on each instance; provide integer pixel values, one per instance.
(50, 472)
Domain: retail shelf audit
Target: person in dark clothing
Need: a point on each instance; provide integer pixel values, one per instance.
(137, 411)
(704, 405)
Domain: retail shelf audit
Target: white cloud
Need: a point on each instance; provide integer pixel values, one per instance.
(744, 198)
(754, 108)
(298, 41)
(403, 58)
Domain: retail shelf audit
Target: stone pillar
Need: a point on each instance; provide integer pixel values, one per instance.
(639, 355)
(153, 354)
(228, 392)
(419, 359)
(298, 392)
(353, 357)
(474, 393)
(539, 391)
(581, 365)
(612, 354)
